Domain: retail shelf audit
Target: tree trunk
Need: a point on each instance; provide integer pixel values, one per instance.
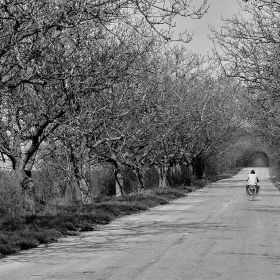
(198, 166)
(178, 168)
(162, 174)
(173, 171)
(80, 163)
(119, 174)
(178, 176)
(77, 193)
(28, 190)
(85, 191)
(164, 181)
(119, 182)
(140, 181)
(82, 189)
(190, 170)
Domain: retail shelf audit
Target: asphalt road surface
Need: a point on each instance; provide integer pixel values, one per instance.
(214, 233)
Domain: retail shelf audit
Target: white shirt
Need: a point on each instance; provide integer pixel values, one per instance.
(252, 179)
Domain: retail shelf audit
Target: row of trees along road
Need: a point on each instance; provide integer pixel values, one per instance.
(86, 82)
(248, 49)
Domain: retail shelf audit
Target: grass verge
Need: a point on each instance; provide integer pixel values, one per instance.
(274, 176)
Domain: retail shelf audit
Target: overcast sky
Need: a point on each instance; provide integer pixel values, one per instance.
(200, 43)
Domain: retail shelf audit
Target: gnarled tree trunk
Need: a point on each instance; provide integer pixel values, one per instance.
(77, 193)
(162, 174)
(198, 166)
(26, 184)
(80, 163)
(119, 174)
(119, 181)
(140, 180)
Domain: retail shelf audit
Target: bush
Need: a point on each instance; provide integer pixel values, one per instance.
(10, 223)
(26, 243)
(10, 195)
(8, 249)
(45, 236)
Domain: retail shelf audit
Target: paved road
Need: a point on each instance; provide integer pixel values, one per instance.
(214, 233)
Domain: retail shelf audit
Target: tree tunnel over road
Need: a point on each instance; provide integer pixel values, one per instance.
(259, 159)
(255, 159)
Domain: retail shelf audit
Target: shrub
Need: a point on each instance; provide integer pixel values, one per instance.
(10, 223)
(8, 249)
(26, 243)
(45, 236)
(10, 195)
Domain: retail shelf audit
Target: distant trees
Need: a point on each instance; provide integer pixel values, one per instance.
(248, 49)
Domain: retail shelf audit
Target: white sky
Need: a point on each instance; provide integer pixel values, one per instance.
(201, 43)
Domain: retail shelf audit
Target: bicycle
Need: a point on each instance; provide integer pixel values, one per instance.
(252, 191)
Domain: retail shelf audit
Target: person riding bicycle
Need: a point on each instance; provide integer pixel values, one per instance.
(253, 180)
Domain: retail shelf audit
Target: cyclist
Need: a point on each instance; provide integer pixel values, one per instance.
(253, 180)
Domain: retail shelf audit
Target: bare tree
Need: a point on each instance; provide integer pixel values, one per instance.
(55, 53)
(248, 49)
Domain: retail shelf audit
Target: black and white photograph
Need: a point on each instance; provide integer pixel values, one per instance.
(139, 140)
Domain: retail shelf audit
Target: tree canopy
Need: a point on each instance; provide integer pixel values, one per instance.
(90, 82)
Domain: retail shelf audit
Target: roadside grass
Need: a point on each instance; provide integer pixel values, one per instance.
(274, 176)
(22, 233)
